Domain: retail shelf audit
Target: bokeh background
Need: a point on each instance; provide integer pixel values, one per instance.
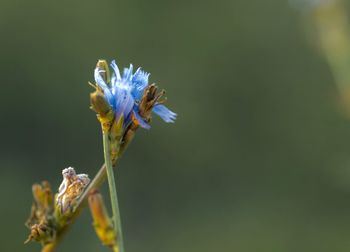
(258, 160)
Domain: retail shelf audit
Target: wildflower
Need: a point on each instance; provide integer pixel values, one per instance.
(71, 188)
(124, 94)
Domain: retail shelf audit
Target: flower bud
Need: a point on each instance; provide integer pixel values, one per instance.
(104, 112)
(102, 223)
(99, 103)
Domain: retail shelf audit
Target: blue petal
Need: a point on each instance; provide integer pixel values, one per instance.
(166, 114)
(116, 74)
(139, 83)
(102, 84)
(99, 80)
(124, 101)
(127, 120)
(127, 74)
(141, 121)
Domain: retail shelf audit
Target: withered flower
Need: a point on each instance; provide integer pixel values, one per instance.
(71, 188)
(41, 222)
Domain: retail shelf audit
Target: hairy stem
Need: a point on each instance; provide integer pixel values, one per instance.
(113, 191)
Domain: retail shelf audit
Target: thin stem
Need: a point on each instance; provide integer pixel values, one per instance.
(113, 191)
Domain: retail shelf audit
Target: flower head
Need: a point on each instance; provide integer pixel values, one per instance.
(124, 93)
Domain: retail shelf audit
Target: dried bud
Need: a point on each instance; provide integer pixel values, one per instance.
(150, 98)
(71, 188)
(40, 233)
(42, 206)
(42, 194)
(40, 221)
(102, 223)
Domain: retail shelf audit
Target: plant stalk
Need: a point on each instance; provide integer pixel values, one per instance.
(113, 191)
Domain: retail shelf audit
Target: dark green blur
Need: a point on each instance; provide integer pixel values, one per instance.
(258, 160)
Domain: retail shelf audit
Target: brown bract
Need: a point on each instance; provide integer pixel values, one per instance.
(150, 98)
(40, 221)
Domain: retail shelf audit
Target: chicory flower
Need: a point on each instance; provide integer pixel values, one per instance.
(124, 94)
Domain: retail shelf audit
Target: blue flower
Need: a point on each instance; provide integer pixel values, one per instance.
(124, 94)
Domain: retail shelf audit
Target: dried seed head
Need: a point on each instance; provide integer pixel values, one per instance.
(70, 189)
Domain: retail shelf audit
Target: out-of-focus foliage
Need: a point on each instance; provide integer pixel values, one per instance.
(258, 160)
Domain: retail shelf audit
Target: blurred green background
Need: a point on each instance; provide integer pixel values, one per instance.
(258, 160)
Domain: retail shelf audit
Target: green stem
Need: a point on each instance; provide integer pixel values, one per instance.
(113, 191)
